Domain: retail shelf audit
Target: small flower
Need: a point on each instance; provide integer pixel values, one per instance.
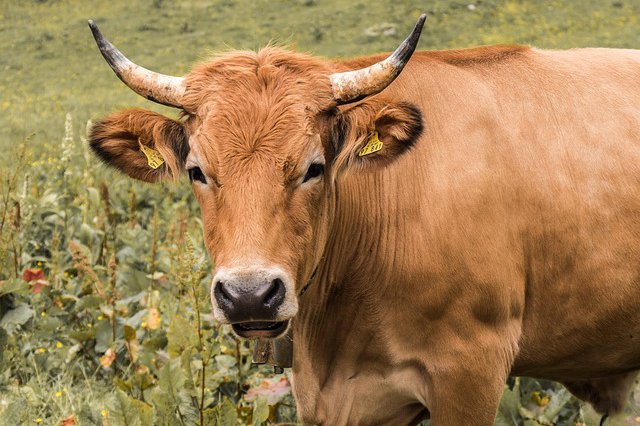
(58, 344)
(41, 350)
(38, 420)
(43, 314)
(36, 286)
(71, 420)
(107, 359)
(154, 319)
(142, 370)
(143, 325)
(100, 317)
(32, 274)
(540, 398)
(58, 394)
(103, 412)
(272, 390)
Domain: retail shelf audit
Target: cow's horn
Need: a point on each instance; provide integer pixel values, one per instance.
(160, 88)
(351, 86)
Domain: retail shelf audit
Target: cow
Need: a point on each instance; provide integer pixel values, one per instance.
(422, 225)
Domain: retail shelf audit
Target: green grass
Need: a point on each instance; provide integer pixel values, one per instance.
(56, 208)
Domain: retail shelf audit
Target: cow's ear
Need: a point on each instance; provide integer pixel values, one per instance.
(142, 144)
(373, 134)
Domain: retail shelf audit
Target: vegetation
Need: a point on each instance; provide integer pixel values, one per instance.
(105, 315)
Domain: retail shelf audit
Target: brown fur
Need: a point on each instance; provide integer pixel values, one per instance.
(505, 241)
(116, 140)
(471, 57)
(398, 125)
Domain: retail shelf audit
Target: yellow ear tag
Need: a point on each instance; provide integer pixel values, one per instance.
(374, 144)
(154, 159)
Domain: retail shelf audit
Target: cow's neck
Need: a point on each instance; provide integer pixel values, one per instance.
(339, 344)
(332, 341)
(333, 309)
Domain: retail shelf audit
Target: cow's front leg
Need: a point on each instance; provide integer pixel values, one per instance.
(467, 389)
(465, 399)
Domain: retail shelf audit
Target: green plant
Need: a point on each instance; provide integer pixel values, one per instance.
(106, 317)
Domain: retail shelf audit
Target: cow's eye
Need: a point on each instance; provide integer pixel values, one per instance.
(196, 174)
(315, 170)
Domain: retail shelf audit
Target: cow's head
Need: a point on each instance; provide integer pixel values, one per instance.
(262, 140)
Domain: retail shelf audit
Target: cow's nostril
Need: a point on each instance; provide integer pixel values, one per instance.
(221, 294)
(275, 295)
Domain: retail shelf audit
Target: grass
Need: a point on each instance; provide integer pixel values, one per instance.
(89, 333)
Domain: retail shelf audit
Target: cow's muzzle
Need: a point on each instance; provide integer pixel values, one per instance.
(254, 301)
(258, 303)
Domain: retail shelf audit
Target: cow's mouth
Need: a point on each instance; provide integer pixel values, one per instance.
(260, 329)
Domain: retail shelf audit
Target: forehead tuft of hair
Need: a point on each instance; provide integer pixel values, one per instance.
(254, 103)
(271, 65)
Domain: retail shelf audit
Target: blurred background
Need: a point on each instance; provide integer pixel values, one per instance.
(49, 63)
(103, 281)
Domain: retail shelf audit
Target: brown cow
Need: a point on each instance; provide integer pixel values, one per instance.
(493, 229)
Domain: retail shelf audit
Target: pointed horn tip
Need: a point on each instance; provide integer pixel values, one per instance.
(352, 86)
(94, 29)
(420, 23)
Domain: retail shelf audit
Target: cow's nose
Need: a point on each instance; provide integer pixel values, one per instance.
(244, 298)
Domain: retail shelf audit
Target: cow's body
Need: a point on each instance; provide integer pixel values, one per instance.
(505, 241)
(508, 241)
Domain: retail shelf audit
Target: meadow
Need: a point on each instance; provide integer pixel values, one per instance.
(105, 315)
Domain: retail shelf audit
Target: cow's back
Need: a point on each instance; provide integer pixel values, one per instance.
(520, 203)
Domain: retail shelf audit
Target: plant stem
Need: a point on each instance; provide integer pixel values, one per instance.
(239, 364)
(201, 351)
(11, 182)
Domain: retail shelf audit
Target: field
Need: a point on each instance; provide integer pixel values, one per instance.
(104, 306)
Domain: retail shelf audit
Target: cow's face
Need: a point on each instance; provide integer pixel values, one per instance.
(263, 143)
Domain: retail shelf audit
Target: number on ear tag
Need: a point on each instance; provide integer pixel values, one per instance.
(154, 159)
(374, 144)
